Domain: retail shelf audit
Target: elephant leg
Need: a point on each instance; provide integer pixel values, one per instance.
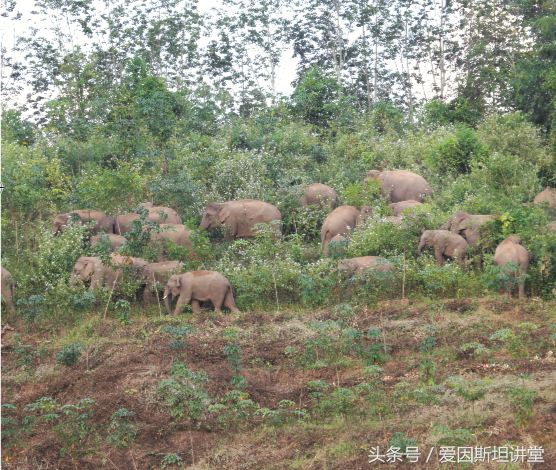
(217, 301)
(521, 290)
(195, 306)
(439, 257)
(180, 302)
(230, 303)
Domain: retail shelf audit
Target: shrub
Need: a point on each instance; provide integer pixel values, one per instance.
(32, 307)
(123, 429)
(70, 354)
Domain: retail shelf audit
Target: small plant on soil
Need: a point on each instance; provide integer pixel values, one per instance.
(427, 368)
(171, 459)
(70, 422)
(235, 409)
(32, 307)
(84, 302)
(522, 403)
(122, 311)
(477, 350)
(123, 430)
(25, 354)
(401, 444)
(184, 394)
(447, 436)
(14, 431)
(285, 414)
(70, 354)
(469, 391)
(234, 355)
(178, 332)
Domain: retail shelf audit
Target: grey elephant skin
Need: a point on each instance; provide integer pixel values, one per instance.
(122, 222)
(175, 233)
(319, 195)
(340, 221)
(399, 207)
(104, 223)
(8, 287)
(512, 250)
(162, 271)
(89, 268)
(547, 196)
(240, 217)
(199, 286)
(116, 241)
(401, 185)
(358, 266)
(446, 245)
(468, 225)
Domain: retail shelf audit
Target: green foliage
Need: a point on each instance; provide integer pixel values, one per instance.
(359, 194)
(456, 153)
(69, 354)
(477, 350)
(313, 292)
(427, 368)
(178, 332)
(184, 394)
(399, 442)
(123, 430)
(233, 351)
(84, 302)
(15, 129)
(69, 422)
(468, 390)
(447, 436)
(235, 409)
(285, 414)
(32, 307)
(25, 354)
(458, 111)
(14, 431)
(171, 459)
(122, 307)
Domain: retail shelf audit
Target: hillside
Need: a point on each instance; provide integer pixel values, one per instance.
(123, 368)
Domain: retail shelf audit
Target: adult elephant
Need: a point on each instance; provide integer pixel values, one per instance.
(340, 221)
(116, 241)
(319, 195)
(161, 214)
(89, 268)
(468, 225)
(358, 266)
(240, 217)
(123, 222)
(104, 223)
(199, 286)
(399, 207)
(547, 196)
(446, 245)
(8, 287)
(175, 233)
(401, 185)
(512, 250)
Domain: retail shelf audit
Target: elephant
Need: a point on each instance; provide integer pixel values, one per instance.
(89, 268)
(122, 222)
(358, 266)
(340, 221)
(401, 185)
(547, 196)
(104, 222)
(199, 286)
(154, 214)
(466, 224)
(399, 221)
(320, 195)
(446, 245)
(176, 233)
(240, 217)
(8, 287)
(512, 250)
(399, 207)
(163, 270)
(116, 241)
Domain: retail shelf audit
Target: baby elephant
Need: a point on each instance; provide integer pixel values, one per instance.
(446, 245)
(199, 286)
(115, 241)
(512, 250)
(358, 266)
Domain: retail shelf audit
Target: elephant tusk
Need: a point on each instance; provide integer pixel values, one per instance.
(164, 297)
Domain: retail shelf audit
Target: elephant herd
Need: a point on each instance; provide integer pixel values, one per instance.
(402, 188)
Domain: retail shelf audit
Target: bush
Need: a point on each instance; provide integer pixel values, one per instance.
(70, 354)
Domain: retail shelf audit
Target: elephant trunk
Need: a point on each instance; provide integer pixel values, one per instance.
(420, 247)
(73, 278)
(167, 301)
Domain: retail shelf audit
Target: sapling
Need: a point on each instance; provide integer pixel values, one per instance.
(123, 429)
(469, 391)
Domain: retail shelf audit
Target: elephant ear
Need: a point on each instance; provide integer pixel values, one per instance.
(178, 281)
(224, 214)
(88, 269)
